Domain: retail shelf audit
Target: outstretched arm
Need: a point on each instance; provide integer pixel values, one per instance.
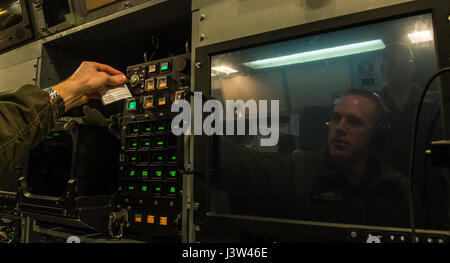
(28, 113)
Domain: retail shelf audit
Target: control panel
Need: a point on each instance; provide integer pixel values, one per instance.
(150, 179)
(10, 229)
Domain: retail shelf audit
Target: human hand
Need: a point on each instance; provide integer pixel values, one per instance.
(87, 82)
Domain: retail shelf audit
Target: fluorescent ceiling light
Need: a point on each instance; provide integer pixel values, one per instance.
(319, 54)
(224, 69)
(3, 12)
(421, 36)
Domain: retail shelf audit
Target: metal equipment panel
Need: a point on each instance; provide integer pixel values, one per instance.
(231, 19)
(19, 66)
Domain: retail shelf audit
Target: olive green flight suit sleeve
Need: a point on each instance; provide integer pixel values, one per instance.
(26, 116)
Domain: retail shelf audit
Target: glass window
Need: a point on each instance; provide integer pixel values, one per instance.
(347, 101)
(10, 14)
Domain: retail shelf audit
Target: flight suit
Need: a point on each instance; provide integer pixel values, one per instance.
(307, 186)
(26, 117)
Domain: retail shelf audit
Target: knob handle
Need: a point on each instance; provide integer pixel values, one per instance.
(134, 80)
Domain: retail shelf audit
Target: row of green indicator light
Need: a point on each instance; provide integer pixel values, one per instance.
(49, 137)
(158, 173)
(157, 189)
(145, 143)
(146, 129)
(158, 158)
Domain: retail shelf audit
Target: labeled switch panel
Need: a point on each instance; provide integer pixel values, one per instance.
(151, 154)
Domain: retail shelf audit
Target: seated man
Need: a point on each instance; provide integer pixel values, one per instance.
(345, 182)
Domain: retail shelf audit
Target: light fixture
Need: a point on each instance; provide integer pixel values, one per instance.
(224, 70)
(319, 54)
(3, 11)
(421, 36)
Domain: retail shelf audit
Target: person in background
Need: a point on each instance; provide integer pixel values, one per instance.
(401, 98)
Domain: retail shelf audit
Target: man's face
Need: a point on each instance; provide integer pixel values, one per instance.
(351, 127)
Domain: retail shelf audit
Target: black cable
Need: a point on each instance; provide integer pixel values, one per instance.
(412, 151)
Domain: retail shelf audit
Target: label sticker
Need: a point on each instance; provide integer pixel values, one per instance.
(114, 94)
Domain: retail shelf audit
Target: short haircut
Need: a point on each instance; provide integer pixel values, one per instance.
(380, 107)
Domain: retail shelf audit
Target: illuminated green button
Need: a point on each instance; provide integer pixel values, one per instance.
(159, 158)
(132, 105)
(160, 143)
(173, 173)
(144, 188)
(131, 188)
(160, 128)
(164, 66)
(133, 158)
(157, 189)
(135, 130)
(158, 173)
(144, 173)
(132, 173)
(56, 134)
(147, 143)
(49, 137)
(174, 158)
(172, 189)
(148, 129)
(134, 144)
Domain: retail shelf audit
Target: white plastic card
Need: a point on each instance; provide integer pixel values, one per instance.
(115, 93)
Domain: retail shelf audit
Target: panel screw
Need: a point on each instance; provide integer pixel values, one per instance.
(196, 205)
(202, 17)
(202, 37)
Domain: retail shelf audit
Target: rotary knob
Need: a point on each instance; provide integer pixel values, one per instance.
(181, 65)
(134, 80)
